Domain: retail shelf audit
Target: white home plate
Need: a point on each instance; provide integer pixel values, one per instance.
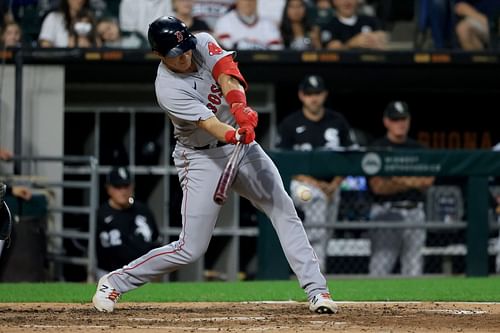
(458, 312)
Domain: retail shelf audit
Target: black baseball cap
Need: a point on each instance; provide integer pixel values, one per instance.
(312, 84)
(396, 110)
(119, 176)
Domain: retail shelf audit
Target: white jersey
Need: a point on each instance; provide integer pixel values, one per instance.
(191, 97)
(232, 33)
(271, 10)
(136, 15)
(54, 30)
(210, 11)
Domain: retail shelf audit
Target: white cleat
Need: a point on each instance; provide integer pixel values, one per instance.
(105, 296)
(323, 303)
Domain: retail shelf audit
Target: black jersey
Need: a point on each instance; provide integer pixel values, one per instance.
(337, 30)
(410, 195)
(124, 235)
(332, 132)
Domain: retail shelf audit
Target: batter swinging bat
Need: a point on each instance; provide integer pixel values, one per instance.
(227, 176)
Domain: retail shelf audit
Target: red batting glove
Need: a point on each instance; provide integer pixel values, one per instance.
(244, 115)
(244, 135)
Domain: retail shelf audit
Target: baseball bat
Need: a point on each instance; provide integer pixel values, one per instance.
(227, 176)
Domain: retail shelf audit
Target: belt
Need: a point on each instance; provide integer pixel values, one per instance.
(405, 204)
(211, 145)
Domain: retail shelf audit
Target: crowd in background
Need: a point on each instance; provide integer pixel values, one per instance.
(254, 24)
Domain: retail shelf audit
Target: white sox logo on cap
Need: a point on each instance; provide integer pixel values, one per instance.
(179, 36)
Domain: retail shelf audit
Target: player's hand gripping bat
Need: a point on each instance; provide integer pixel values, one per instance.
(227, 176)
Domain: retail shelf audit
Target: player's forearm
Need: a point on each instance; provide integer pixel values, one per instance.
(417, 182)
(386, 186)
(215, 127)
(228, 83)
(336, 181)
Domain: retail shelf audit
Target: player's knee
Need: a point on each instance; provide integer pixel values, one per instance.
(193, 254)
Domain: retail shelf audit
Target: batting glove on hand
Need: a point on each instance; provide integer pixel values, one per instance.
(244, 115)
(245, 135)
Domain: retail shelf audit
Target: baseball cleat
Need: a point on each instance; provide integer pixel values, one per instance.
(105, 296)
(323, 303)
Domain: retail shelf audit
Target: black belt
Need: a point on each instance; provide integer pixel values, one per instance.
(405, 204)
(209, 146)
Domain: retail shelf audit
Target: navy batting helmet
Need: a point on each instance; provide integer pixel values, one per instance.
(170, 37)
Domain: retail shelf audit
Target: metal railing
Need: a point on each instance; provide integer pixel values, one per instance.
(58, 255)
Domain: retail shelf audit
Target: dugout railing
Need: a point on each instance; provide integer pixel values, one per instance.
(47, 172)
(477, 167)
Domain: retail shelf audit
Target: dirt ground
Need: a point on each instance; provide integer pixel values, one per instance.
(250, 317)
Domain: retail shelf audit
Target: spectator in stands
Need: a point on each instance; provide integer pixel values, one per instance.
(316, 127)
(136, 15)
(271, 10)
(324, 15)
(84, 32)
(99, 7)
(184, 11)
(58, 27)
(350, 30)
(435, 15)
(296, 30)
(10, 35)
(111, 36)
(26, 13)
(211, 10)
(242, 29)
(398, 199)
(19, 191)
(473, 30)
(126, 228)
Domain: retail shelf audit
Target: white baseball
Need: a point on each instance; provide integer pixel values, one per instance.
(304, 193)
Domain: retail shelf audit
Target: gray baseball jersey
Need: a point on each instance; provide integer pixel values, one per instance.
(194, 96)
(188, 98)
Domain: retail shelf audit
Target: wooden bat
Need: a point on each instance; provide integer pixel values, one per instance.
(227, 176)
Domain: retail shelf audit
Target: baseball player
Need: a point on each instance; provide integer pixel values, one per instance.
(316, 127)
(202, 90)
(126, 228)
(398, 199)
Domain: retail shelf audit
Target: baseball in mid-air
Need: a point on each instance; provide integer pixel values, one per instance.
(304, 193)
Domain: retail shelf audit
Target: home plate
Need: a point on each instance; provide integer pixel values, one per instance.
(458, 312)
